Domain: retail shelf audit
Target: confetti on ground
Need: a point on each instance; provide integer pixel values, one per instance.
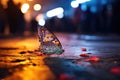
(67, 77)
(84, 55)
(94, 58)
(83, 49)
(115, 70)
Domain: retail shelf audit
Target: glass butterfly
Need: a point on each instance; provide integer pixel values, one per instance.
(49, 43)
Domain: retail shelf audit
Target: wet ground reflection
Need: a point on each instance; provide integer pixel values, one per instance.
(28, 68)
(20, 59)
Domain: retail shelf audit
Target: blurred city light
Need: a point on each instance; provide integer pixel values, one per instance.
(30, 0)
(93, 9)
(41, 22)
(40, 19)
(103, 1)
(39, 16)
(74, 4)
(82, 1)
(25, 7)
(84, 7)
(55, 12)
(37, 7)
(60, 16)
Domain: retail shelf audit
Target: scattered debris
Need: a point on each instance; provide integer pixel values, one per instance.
(84, 55)
(83, 49)
(94, 58)
(115, 70)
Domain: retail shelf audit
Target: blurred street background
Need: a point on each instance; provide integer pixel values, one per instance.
(89, 31)
(76, 16)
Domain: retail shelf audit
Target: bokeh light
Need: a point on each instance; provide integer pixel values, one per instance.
(55, 12)
(82, 1)
(37, 7)
(41, 22)
(25, 7)
(93, 9)
(40, 19)
(30, 0)
(84, 7)
(60, 16)
(39, 16)
(74, 4)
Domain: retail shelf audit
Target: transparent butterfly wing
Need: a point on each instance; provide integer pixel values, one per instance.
(49, 43)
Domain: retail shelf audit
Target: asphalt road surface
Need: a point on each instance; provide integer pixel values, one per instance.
(83, 59)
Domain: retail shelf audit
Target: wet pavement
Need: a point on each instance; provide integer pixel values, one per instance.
(83, 59)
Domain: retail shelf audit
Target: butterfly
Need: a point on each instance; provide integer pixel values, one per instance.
(49, 43)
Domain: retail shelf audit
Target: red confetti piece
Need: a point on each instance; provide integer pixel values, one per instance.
(94, 58)
(39, 54)
(67, 77)
(115, 70)
(83, 49)
(84, 55)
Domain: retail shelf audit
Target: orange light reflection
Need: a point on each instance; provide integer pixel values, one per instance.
(31, 72)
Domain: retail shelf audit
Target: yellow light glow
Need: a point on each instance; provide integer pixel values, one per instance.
(25, 62)
(30, 0)
(4, 2)
(31, 72)
(39, 17)
(37, 7)
(25, 7)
